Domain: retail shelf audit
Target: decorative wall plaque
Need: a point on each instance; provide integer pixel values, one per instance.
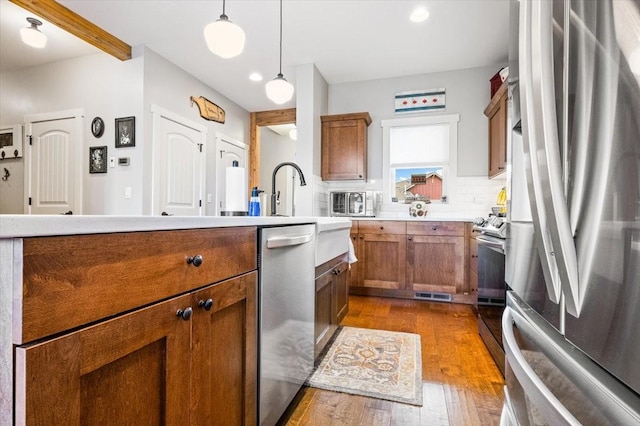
(209, 110)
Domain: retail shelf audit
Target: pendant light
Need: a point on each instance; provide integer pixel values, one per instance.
(279, 90)
(32, 36)
(223, 37)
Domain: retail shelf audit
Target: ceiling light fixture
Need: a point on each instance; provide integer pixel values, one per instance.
(293, 134)
(420, 14)
(255, 76)
(32, 35)
(223, 37)
(279, 90)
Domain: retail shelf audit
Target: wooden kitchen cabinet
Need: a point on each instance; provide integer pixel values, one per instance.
(435, 257)
(496, 112)
(189, 356)
(332, 300)
(382, 251)
(344, 146)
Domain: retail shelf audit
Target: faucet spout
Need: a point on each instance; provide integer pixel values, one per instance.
(273, 182)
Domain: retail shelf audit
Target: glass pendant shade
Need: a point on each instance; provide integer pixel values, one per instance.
(224, 38)
(279, 90)
(32, 35)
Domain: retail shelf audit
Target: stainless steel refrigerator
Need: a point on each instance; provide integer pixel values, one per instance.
(571, 329)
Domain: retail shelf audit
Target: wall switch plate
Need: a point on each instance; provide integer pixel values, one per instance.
(112, 161)
(123, 161)
(127, 192)
(209, 198)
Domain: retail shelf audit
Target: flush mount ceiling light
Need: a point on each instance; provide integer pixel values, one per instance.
(420, 14)
(223, 37)
(255, 76)
(279, 90)
(32, 35)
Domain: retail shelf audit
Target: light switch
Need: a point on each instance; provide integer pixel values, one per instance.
(209, 198)
(127, 192)
(112, 161)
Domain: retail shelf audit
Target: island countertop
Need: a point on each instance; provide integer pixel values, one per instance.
(19, 226)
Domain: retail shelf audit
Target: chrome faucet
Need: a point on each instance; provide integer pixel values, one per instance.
(273, 183)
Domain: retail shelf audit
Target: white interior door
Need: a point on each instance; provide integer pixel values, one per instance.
(53, 159)
(228, 151)
(178, 165)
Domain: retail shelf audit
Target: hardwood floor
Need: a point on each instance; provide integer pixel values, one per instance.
(461, 383)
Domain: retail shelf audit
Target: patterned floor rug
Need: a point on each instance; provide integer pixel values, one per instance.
(376, 363)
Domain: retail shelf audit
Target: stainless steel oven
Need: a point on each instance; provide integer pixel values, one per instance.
(491, 285)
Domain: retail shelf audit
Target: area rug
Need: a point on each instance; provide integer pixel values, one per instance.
(375, 363)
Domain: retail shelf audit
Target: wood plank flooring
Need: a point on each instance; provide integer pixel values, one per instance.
(461, 383)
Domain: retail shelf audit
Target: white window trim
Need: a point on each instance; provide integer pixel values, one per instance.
(449, 119)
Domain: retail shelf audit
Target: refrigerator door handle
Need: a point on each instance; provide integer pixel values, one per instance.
(533, 387)
(531, 139)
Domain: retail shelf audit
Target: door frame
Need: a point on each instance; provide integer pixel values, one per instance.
(77, 115)
(157, 114)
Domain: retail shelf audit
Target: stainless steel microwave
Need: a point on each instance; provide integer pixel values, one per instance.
(352, 203)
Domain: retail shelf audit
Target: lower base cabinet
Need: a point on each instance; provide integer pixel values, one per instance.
(189, 359)
(332, 300)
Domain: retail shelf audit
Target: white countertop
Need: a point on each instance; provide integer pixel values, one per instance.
(48, 225)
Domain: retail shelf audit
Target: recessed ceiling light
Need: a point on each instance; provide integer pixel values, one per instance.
(255, 77)
(420, 14)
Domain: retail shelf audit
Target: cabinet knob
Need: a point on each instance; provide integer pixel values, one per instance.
(185, 314)
(434, 228)
(501, 168)
(410, 238)
(195, 260)
(474, 255)
(206, 304)
(360, 176)
(382, 227)
(361, 237)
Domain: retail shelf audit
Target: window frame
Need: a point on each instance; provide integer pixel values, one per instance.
(449, 172)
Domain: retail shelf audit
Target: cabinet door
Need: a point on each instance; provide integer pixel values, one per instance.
(382, 260)
(224, 365)
(344, 155)
(435, 264)
(130, 369)
(498, 138)
(340, 293)
(324, 323)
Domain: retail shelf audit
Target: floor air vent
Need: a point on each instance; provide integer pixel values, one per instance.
(437, 297)
(491, 301)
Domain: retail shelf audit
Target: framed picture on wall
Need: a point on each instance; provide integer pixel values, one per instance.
(98, 159)
(125, 132)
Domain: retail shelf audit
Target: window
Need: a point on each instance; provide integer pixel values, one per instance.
(418, 157)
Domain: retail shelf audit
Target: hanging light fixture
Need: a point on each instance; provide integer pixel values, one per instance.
(223, 37)
(279, 90)
(32, 36)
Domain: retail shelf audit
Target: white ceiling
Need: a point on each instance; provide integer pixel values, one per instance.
(348, 40)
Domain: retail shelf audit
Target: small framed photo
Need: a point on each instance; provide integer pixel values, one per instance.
(98, 159)
(125, 132)
(97, 127)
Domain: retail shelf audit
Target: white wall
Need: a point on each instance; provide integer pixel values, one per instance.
(467, 93)
(168, 86)
(106, 87)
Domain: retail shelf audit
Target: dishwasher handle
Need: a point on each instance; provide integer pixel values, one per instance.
(293, 240)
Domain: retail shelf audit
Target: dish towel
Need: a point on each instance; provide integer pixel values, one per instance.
(352, 254)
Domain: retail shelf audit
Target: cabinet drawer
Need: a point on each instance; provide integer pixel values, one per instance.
(382, 227)
(436, 228)
(69, 281)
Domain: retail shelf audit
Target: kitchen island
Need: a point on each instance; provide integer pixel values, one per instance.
(155, 314)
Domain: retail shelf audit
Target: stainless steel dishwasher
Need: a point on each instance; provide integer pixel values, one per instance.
(286, 316)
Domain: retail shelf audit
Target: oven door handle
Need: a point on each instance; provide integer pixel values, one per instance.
(492, 243)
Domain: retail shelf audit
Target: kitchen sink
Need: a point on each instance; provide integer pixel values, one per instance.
(332, 238)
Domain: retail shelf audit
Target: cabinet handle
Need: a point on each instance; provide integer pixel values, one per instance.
(206, 304)
(185, 314)
(360, 176)
(195, 260)
(474, 255)
(501, 168)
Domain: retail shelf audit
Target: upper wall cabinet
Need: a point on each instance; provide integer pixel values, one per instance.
(496, 111)
(344, 146)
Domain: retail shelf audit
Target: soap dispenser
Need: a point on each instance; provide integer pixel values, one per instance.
(254, 202)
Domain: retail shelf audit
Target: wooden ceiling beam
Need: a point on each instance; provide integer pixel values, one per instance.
(75, 24)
